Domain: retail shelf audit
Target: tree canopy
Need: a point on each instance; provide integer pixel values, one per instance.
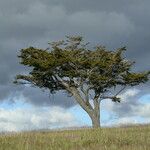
(72, 66)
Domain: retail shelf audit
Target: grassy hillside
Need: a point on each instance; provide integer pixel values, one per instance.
(129, 138)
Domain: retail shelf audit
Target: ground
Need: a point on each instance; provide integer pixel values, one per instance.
(119, 138)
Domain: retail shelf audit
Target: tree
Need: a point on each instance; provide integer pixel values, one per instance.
(89, 75)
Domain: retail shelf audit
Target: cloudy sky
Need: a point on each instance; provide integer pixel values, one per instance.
(37, 22)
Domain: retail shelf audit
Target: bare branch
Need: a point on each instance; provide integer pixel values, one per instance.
(61, 80)
(114, 98)
(120, 91)
(80, 100)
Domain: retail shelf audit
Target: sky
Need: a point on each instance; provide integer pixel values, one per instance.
(113, 24)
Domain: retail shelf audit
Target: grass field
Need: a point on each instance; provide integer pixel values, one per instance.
(125, 138)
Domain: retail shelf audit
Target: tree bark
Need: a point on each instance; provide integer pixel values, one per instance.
(95, 117)
(95, 121)
(94, 113)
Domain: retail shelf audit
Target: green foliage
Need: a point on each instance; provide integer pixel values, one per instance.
(72, 66)
(74, 63)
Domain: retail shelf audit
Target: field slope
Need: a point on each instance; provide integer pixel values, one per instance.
(129, 138)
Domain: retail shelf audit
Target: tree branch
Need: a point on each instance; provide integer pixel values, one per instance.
(86, 106)
(120, 90)
(114, 98)
(96, 101)
(76, 94)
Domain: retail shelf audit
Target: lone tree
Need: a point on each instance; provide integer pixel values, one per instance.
(89, 75)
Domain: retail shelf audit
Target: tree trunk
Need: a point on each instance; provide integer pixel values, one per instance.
(94, 113)
(95, 117)
(95, 122)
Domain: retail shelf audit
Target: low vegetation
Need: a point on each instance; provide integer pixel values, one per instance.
(123, 138)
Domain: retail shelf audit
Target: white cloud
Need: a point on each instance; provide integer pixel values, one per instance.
(126, 98)
(126, 121)
(128, 110)
(35, 118)
(143, 110)
(128, 94)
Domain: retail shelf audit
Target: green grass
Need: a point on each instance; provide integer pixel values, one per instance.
(129, 138)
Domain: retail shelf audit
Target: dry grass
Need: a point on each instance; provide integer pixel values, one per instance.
(129, 138)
